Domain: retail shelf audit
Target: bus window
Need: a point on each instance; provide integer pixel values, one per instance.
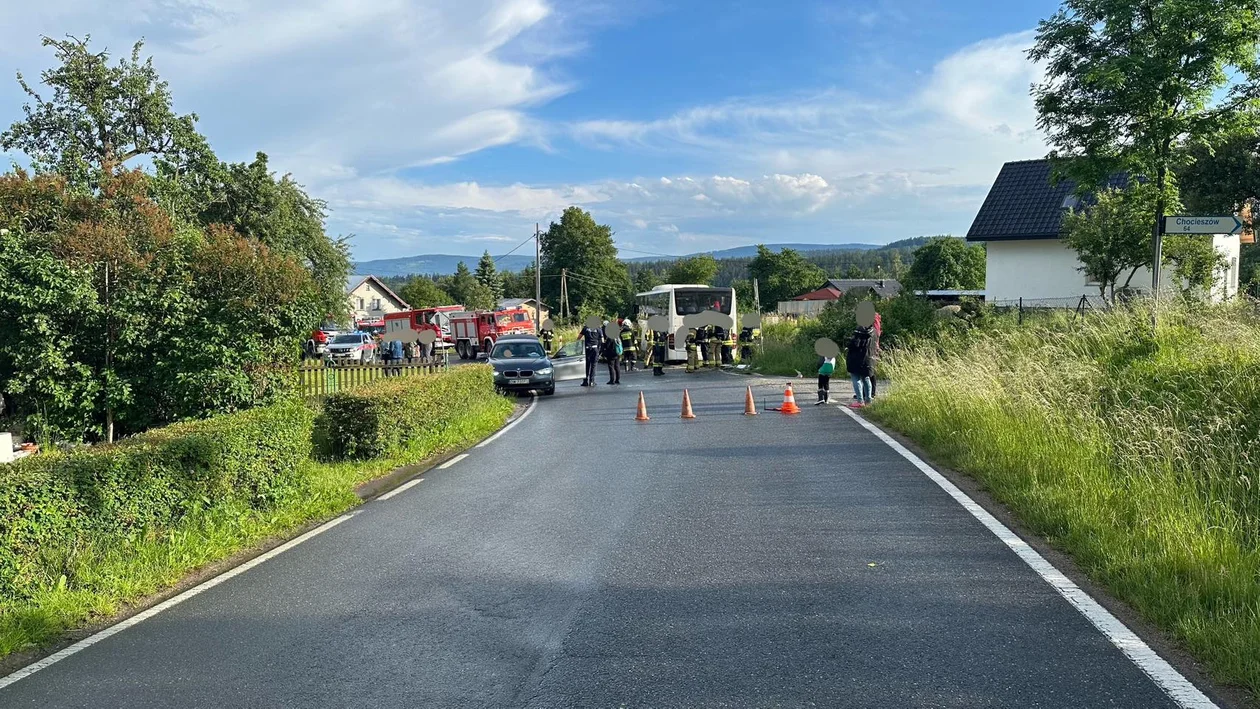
(691, 302)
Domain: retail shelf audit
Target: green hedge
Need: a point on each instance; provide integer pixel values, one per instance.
(390, 415)
(51, 506)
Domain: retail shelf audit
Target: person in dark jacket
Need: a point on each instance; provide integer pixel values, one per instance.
(592, 338)
(860, 361)
(613, 357)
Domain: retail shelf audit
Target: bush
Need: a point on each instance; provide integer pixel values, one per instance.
(52, 506)
(391, 415)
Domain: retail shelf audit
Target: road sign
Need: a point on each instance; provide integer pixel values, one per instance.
(1203, 225)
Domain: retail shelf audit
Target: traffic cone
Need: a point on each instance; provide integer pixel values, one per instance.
(750, 408)
(789, 402)
(642, 413)
(686, 410)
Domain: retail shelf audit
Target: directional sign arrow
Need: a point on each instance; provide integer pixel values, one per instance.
(1238, 225)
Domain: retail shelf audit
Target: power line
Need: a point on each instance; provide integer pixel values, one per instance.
(531, 238)
(648, 253)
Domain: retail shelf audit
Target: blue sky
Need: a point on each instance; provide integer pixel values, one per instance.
(452, 126)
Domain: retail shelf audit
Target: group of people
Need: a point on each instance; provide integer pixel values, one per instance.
(711, 345)
(394, 353)
(860, 358)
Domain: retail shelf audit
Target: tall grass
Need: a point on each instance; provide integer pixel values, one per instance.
(784, 350)
(1133, 450)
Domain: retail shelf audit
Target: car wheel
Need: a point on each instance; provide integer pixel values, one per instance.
(549, 390)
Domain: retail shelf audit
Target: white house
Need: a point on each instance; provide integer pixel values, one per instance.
(1019, 224)
(370, 299)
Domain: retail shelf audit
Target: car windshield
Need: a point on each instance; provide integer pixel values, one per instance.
(517, 350)
(347, 339)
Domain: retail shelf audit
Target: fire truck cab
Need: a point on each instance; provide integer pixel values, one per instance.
(475, 332)
(437, 319)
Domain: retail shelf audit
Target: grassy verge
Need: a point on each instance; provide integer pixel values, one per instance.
(96, 574)
(1134, 451)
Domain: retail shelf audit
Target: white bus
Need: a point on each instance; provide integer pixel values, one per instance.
(676, 301)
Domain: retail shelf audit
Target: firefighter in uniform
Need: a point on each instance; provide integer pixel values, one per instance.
(728, 345)
(547, 334)
(629, 348)
(692, 337)
(702, 343)
(715, 344)
(659, 342)
(745, 344)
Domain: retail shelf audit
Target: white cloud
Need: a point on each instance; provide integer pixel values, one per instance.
(375, 86)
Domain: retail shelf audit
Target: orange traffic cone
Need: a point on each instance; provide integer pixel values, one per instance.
(642, 413)
(750, 408)
(686, 411)
(789, 402)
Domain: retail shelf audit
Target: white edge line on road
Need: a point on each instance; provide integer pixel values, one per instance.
(533, 399)
(452, 461)
(401, 488)
(169, 603)
(1174, 684)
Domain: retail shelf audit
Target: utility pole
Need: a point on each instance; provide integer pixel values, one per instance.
(537, 281)
(756, 296)
(564, 293)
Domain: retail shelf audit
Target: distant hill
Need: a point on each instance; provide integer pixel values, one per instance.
(751, 250)
(439, 264)
(443, 264)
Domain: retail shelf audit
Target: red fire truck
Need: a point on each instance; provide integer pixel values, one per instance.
(437, 319)
(476, 332)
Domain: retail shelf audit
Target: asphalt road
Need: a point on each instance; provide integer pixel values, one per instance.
(584, 559)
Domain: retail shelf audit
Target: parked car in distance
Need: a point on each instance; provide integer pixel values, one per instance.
(352, 348)
(520, 364)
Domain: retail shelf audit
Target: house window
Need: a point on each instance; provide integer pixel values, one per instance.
(360, 304)
(376, 304)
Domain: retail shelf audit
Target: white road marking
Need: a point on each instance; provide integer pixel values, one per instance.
(1174, 684)
(169, 603)
(453, 461)
(401, 488)
(533, 399)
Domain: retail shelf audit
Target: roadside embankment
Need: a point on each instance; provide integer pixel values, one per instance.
(1133, 450)
(86, 532)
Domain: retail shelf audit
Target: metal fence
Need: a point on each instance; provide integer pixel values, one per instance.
(317, 379)
(1030, 307)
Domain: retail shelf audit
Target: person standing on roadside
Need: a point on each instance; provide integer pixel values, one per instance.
(878, 327)
(592, 338)
(612, 355)
(860, 354)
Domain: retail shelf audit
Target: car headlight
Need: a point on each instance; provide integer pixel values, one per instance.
(544, 371)
(498, 375)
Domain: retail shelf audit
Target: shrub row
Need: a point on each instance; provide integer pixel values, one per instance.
(51, 506)
(389, 415)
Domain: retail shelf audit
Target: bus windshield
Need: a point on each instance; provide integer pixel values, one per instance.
(688, 302)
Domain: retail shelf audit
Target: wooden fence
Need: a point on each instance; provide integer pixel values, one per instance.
(317, 379)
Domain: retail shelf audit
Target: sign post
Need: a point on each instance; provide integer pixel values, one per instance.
(1203, 225)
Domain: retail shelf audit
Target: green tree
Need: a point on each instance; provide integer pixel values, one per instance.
(460, 285)
(489, 276)
(1110, 238)
(1128, 81)
(694, 269)
(479, 297)
(585, 250)
(519, 284)
(1221, 178)
(423, 292)
(645, 280)
(100, 117)
(783, 276)
(947, 263)
(279, 213)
